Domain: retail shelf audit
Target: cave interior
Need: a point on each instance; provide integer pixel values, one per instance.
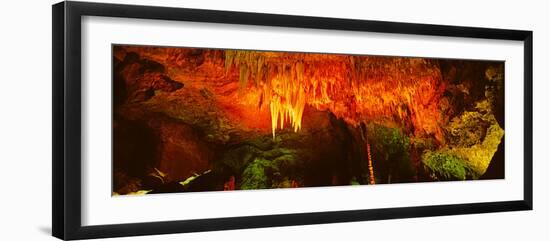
(196, 119)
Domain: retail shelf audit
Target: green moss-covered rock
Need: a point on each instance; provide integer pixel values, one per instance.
(474, 136)
(265, 148)
(261, 163)
(479, 156)
(443, 165)
(467, 129)
(393, 139)
(256, 175)
(236, 159)
(390, 153)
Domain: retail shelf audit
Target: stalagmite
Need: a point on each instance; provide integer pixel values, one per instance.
(371, 168)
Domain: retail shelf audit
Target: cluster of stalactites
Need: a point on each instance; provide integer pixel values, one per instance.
(354, 88)
(285, 85)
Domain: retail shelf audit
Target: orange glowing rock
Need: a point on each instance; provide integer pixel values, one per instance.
(355, 88)
(262, 89)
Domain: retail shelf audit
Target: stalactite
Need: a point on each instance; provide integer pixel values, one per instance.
(354, 88)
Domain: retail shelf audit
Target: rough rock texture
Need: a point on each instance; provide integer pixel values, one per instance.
(199, 120)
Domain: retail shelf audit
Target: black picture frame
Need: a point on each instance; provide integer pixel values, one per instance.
(66, 47)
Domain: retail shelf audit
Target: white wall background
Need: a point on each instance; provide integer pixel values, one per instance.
(25, 120)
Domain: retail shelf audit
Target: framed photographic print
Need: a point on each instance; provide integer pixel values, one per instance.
(170, 120)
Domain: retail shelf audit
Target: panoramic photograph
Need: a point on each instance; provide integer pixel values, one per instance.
(188, 119)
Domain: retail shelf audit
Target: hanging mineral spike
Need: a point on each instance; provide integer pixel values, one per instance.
(283, 110)
(354, 88)
(203, 119)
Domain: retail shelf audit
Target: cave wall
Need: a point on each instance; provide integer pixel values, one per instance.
(214, 119)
